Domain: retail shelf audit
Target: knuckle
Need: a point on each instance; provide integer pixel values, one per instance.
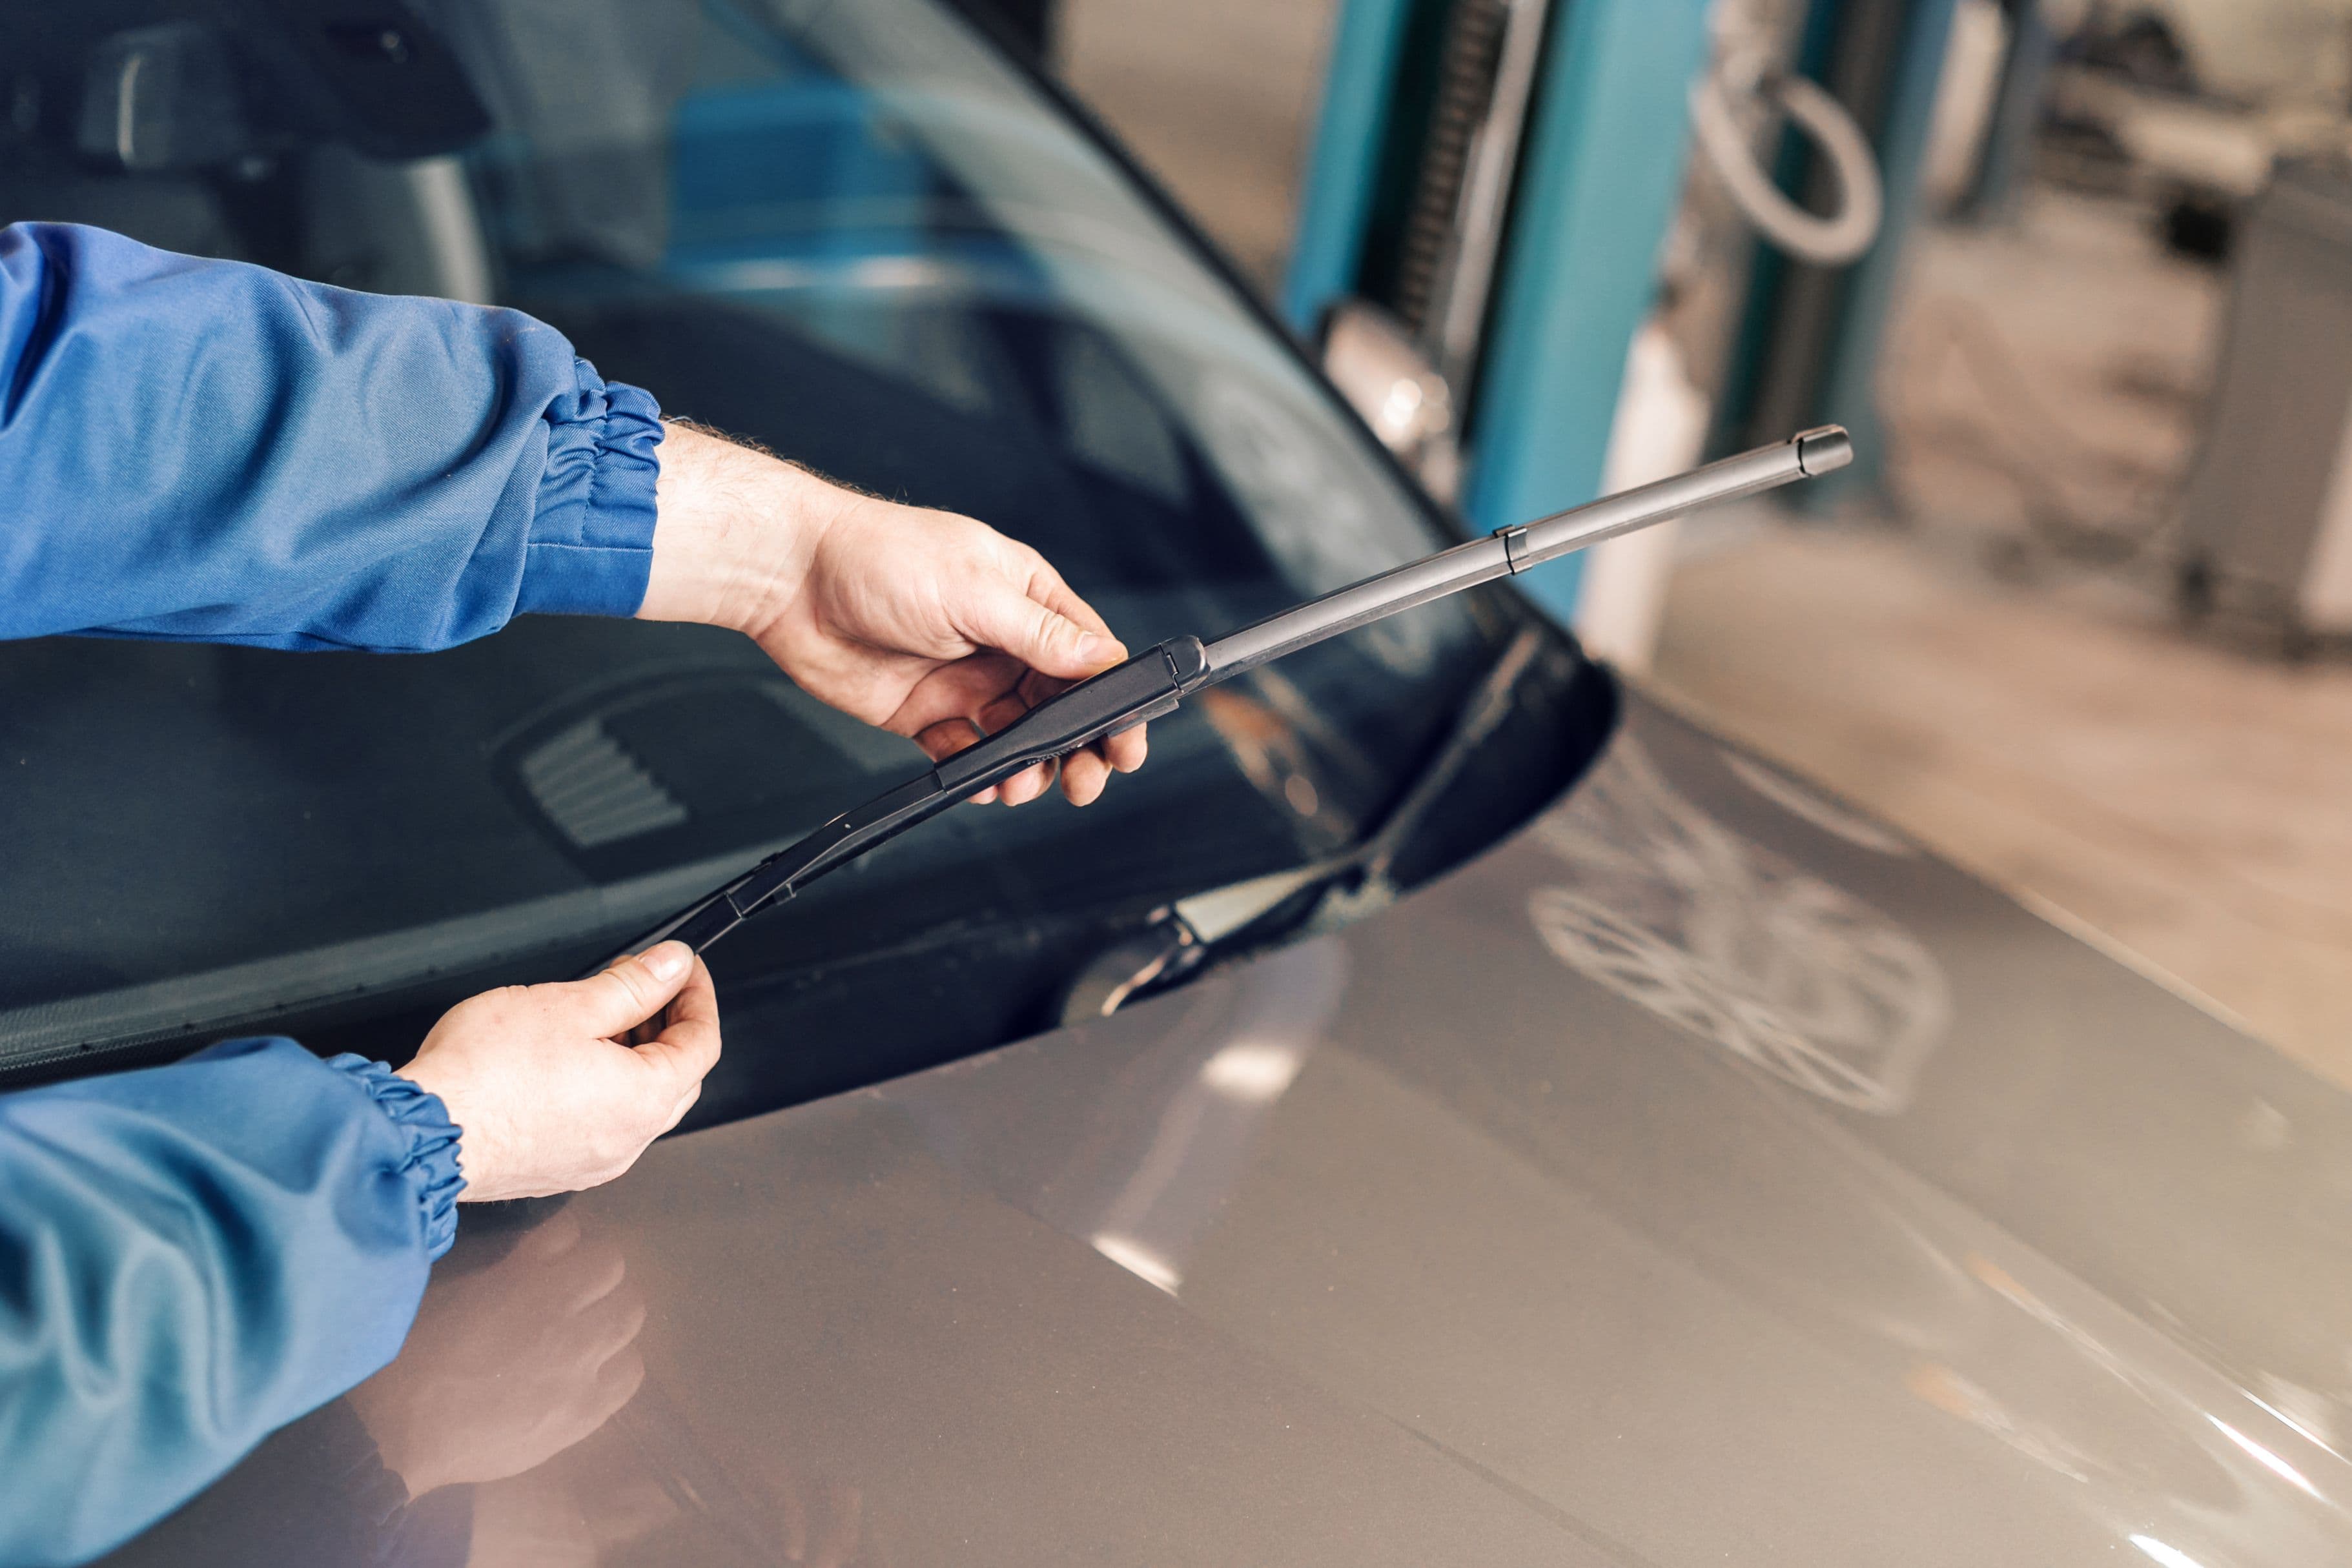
(635, 988)
(506, 1002)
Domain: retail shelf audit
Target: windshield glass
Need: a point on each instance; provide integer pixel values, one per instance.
(849, 231)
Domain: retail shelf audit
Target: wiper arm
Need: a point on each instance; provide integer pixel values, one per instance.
(1178, 938)
(1151, 685)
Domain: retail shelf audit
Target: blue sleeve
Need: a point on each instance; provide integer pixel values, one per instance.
(205, 451)
(191, 1257)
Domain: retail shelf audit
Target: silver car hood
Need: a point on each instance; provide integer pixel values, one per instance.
(1704, 1174)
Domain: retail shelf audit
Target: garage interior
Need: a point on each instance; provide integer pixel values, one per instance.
(2035, 704)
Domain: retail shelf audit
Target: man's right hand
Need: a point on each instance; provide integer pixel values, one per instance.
(559, 1087)
(931, 625)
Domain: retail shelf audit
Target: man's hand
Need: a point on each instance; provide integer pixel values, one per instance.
(928, 624)
(554, 1088)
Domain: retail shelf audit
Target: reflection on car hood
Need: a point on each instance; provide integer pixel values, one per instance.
(1702, 1176)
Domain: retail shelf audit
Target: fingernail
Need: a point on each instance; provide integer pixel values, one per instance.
(1091, 646)
(669, 961)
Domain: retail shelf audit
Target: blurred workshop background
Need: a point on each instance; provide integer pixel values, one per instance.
(2077, 272)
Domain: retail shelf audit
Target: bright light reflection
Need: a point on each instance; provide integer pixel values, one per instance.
(1250, 1071)
(2263, 1456)
(2170, 1556)
(2315, 1438)
(1139, 1261)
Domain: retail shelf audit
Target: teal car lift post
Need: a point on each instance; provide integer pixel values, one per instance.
(1814, 338)
(1599, 177)
(1850, 385)
(1599, 188)
(1344, 165)
(1602, 172)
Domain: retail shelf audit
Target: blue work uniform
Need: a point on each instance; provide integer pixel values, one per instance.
(192, 1256)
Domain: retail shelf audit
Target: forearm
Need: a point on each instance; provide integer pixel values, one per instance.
(195, 1255)
(195, 449)
(735, 533)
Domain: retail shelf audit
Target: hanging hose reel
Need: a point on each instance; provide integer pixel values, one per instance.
(1749, 78)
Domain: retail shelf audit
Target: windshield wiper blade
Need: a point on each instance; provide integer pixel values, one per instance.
(1151, 685)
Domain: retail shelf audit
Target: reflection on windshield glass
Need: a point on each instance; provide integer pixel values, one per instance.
(848, 231)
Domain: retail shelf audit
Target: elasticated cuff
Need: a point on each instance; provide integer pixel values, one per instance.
(591, 545)
(432, 1161)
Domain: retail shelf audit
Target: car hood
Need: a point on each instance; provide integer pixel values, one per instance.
(1703, 1174)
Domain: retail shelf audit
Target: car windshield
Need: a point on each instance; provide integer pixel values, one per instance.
(853, 232)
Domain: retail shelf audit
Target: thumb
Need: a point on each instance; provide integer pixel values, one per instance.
(1000, 616)
(632, 990)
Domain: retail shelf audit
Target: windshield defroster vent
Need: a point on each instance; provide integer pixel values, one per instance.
(594, 791)
(652, 773)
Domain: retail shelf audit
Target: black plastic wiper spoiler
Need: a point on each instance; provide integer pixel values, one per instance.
(1153, 683)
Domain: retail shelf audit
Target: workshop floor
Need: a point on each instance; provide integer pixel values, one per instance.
(2184, 802)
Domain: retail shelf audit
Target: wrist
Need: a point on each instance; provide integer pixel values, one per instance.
(735, 532)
